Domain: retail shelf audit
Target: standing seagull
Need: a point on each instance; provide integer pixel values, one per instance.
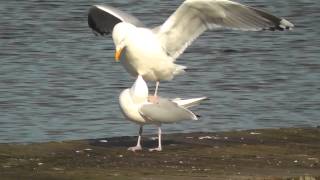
(137, 108)
(151, 52)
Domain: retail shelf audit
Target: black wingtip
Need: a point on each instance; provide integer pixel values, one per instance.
(92, 22)
(276, 23)
(285, 25)
(281, 25)
(101, 22)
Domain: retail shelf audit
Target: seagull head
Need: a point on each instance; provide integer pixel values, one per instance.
(139, 91)
(119, 34)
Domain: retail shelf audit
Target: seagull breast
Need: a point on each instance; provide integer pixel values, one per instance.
(145, 56)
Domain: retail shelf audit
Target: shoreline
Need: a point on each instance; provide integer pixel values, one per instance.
(285, 153)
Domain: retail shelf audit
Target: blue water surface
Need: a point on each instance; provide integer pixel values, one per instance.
(59, 82)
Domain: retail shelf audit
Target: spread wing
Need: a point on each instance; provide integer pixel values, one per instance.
(193, 17)
(102, 19)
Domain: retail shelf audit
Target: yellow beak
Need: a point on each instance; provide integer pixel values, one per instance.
(117, 54)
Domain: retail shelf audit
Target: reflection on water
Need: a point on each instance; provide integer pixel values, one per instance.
(58, 81)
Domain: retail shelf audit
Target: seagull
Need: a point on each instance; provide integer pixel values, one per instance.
(151, 52)
(136, 105)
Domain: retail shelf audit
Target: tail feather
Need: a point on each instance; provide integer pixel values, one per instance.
(179, 69)
(187, 103)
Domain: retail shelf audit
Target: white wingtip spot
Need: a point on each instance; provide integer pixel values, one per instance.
(286, 24)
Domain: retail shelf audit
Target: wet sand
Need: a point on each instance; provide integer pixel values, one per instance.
(292, 153)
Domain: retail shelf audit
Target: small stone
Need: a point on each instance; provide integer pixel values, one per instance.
(216, 137)
(254, 133)
(154, 138)
(205, 137)
(58, 169)
(313, 159)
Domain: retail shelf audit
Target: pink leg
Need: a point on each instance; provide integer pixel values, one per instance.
(138, 146)
(159, 148)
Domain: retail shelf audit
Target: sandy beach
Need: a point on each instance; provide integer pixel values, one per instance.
(292, 153)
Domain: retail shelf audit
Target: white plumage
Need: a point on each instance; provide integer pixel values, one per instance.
(137, 108)
(151, 52)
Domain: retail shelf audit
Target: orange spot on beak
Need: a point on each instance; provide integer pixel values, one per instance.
(117, 54)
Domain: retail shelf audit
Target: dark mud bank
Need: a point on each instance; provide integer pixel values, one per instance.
(292, 153)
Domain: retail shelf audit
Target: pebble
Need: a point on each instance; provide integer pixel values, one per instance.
(58, 169)
(215, 137)
(205, 137)
(254, 133)
(313, 159)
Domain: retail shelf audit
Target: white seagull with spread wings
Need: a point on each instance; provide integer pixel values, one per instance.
(151, 52)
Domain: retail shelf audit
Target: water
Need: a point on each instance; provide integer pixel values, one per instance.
(59, 82)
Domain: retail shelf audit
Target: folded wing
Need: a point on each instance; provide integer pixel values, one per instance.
(165, 111)
(193, 17)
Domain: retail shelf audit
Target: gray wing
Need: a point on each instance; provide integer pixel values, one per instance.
(166, 111)
(193, 17)
(102, 19)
